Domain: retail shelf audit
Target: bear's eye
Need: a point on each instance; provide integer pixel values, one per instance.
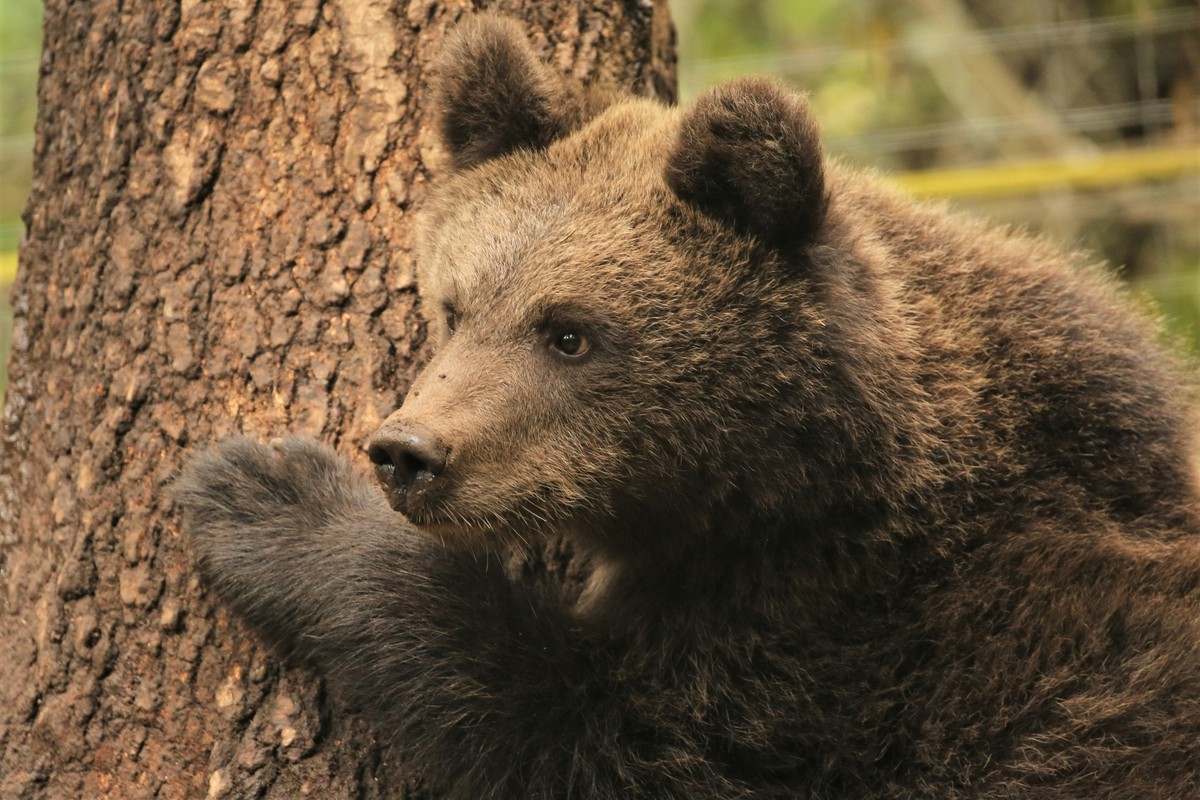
(571, 343)
(451, 317)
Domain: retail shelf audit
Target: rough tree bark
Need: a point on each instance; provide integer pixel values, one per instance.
(217, 242)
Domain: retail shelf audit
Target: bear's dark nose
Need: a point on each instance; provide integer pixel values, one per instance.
(408, 459)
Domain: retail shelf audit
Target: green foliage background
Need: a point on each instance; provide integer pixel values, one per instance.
(20, 45)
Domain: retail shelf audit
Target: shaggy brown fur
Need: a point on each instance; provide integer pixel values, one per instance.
(881, 503)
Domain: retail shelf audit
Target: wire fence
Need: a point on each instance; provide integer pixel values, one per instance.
(924, 44)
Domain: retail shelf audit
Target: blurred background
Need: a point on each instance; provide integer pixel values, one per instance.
(1077, 118)
(20, 43)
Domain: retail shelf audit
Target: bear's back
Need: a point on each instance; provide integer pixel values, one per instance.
(1059, 393)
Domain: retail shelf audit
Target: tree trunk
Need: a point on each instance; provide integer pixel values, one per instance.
(218, 242)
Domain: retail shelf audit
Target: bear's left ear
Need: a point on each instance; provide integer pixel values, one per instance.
(492, 95)
(748, 152)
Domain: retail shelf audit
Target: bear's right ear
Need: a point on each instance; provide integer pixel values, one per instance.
(492, 95)
(748, 153)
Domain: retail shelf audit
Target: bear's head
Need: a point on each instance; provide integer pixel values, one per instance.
(638, 315)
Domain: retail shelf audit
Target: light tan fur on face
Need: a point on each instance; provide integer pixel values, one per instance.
(552, 243)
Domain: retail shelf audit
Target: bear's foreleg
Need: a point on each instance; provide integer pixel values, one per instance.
(465, 674)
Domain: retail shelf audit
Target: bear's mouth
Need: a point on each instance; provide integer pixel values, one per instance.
(519, 524)
(428, 518)
(454, 536)
(410, 502)
(417, 513)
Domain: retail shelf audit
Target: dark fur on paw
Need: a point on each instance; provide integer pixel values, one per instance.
(240, 481)
(241, 498)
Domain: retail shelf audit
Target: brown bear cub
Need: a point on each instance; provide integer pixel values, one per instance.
(877, 502)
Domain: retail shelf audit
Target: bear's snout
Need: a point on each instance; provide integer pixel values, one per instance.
(408, 459)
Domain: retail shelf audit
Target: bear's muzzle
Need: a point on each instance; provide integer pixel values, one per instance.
(408, 459)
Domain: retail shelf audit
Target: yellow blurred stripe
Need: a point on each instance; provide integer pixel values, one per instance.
(1023, 177)
(8, 266)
